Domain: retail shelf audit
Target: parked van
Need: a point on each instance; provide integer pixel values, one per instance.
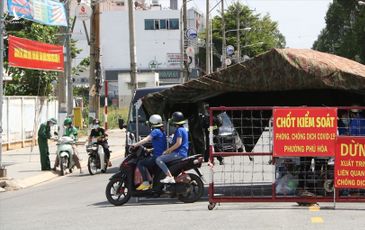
(137, 127)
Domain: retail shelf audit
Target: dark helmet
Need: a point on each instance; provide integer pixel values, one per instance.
(177, 118)
(96, 122)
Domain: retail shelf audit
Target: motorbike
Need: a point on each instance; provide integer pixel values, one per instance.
(188, 187)
(96, 159)
(65, 153)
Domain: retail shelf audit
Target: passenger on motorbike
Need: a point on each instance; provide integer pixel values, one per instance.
(159, 144)
(179, 148)
(100, 135)
(70, 131)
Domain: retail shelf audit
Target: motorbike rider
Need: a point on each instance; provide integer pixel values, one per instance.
(179, 148)
(70, 131)
(101, 138)
(159, 144)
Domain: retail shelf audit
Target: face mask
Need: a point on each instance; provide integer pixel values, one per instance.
(96, 126)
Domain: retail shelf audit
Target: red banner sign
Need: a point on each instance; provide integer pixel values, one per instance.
(307, 131)
(350, 162)
(29, 54)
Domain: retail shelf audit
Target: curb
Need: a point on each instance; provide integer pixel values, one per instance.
(43, 177)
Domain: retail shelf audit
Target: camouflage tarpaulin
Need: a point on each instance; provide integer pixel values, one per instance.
(275, 70)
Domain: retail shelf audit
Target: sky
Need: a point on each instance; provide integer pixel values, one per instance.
(300, 21)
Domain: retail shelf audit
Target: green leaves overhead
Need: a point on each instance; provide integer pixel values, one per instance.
(344, 34)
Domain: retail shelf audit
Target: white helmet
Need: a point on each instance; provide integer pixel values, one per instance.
(155, 121)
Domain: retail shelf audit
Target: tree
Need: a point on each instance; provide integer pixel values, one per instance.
(344, 34)
(264, 34)
(27, 81)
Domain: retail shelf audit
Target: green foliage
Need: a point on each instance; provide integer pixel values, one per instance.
(344, 34)
(27, 81)
(264, 34)
(114, 114)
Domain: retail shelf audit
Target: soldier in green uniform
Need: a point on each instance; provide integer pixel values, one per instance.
(44, 133)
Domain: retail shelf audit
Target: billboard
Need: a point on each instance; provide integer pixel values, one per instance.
(350, 162)
(307, 131)
(25, 53)
(42, 11)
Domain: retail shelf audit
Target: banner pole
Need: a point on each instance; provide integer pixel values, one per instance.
(2, 32)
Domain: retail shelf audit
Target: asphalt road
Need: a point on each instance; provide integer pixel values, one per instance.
(78, 202)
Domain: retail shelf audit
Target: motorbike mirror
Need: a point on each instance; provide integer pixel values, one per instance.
(121, 123)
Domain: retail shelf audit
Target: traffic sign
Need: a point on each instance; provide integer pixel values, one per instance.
(230, 50)
(191, 34)
(83, 12)
(190, 51)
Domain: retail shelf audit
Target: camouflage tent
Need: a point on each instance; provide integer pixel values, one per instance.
(289, 77)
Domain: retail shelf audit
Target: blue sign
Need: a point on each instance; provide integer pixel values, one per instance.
(42, 11)
(230, 50)
(191, 34)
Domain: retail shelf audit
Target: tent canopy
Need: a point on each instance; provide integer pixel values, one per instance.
(279, 77)
(277, 70)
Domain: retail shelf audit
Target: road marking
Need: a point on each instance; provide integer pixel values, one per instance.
(314, 208)
(317, 220)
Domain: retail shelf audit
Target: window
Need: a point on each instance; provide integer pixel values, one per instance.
(157, 24)
(174, 24)
(149, 24)
(163, 24)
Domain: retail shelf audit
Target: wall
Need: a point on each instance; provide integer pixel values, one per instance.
(22, 117)
(145, 79)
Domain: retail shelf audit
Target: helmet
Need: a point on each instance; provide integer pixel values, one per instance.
(68, 121)
(177, 118)
(155, 121)
(53, 121)
(96, 122)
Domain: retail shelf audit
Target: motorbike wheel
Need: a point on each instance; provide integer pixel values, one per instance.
(91, 165)
(117, 191)
(195, 192)
(63, 165)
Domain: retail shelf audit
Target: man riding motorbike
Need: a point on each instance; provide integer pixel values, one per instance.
(101, 139)
(179, 148)
(159, 144)
(70, 131)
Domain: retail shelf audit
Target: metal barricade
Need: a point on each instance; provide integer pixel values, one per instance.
(243, 168)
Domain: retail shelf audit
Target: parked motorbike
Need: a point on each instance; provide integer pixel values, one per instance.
(65, 153)
(188, 187)
(96, 159)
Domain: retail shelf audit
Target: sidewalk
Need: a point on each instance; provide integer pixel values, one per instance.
(24, 168)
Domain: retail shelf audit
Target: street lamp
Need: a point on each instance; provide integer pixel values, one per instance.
(361, 3)
(246, 29)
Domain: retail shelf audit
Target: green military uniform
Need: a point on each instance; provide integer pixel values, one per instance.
(71, 132)
(44, 133)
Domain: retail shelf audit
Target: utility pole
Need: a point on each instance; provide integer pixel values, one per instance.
(62, 81)
(68, 62)
(2, 32)
(132, 47)
(186, 64)
(223, 38)
(207, 40)
(238, 35)
(95, 71)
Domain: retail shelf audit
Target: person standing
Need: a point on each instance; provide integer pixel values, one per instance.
(44, 133)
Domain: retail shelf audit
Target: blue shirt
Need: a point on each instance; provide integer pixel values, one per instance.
(159, 142)
(184, 147)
